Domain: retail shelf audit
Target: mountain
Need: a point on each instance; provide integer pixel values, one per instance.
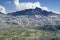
(32, 18)
(36, 11)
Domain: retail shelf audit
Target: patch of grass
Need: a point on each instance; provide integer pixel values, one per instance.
(24, 34)
(27, 33)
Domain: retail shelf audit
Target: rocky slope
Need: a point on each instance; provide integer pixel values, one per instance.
(31, 18)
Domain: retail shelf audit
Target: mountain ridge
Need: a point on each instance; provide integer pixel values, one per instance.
(36, 11)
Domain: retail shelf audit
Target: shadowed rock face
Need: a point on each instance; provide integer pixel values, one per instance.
(1, 13)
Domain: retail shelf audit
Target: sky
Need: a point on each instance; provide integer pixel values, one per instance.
(17, 5)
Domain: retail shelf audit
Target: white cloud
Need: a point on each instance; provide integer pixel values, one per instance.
(56, 12)
(27, 5)
(44, 8)
(2, 9)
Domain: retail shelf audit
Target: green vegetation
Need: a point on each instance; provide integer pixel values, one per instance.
(27, 34)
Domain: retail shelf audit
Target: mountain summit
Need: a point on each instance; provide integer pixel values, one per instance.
(36, 11)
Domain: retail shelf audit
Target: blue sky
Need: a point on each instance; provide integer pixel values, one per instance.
(50, 4)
